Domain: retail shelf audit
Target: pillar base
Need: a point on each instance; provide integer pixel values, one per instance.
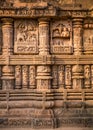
(44, 119)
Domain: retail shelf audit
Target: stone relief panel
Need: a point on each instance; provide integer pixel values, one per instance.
(26, 37)
(88, 37)
(61, 37)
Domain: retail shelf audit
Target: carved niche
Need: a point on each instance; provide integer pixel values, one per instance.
(61, 37)
(88, 37)
(26, 37)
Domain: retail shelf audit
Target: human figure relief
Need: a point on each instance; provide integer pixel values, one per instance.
(24, 76)
(87, 76)
(32, 81)
(61, 76)
(68, 76)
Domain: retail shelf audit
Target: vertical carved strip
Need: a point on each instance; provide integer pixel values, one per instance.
(55, 77)
(24, 76)
(18, 77)
(0, 77)
(7, 50)
(32, 75)
(68, 76)
(0, 37)
(78, 36)
(92, 76)
(61, 76)
(43, 36)
(87, 76)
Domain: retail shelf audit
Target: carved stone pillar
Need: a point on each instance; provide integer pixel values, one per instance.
(7, 31)
(77, 76)
(43, 72)
(45, 114)
(7, 50)
(43, 37)
(78, 36)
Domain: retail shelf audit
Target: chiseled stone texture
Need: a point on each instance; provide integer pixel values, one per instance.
(46, 64)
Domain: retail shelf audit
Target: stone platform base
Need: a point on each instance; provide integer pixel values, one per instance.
(62, 128)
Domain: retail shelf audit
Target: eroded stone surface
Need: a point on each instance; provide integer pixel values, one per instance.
(46, 68)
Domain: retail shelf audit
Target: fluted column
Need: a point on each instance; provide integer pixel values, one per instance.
(78, 36)
(7, 50)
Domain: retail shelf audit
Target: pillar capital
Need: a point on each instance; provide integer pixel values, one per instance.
(77, 22)
(7, 21)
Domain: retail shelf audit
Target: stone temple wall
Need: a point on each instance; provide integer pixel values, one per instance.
(46, 64)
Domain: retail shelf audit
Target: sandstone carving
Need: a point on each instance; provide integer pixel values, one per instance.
(26, 37)
(61, 37)
(46, 64)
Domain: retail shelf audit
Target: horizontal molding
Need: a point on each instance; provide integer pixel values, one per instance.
(46, 60)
